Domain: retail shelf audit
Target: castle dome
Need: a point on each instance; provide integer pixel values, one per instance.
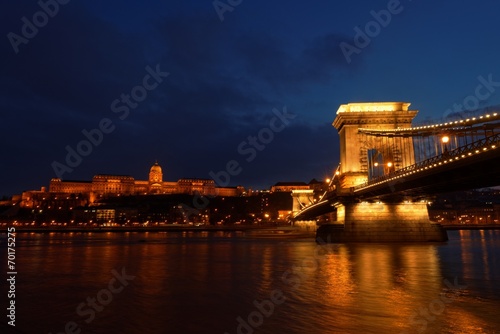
(156, 168)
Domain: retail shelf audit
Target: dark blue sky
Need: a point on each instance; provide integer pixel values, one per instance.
(225, 78)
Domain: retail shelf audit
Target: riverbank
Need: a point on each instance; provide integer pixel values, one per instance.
(205, 228)
(178, 228)
(472, 227)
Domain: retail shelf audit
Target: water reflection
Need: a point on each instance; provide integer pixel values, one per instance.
(382, 283)
(473, 257)
(202, 283)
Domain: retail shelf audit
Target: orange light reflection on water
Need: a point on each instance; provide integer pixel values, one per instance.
(385, 284)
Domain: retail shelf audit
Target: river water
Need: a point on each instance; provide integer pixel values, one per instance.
(221, 282)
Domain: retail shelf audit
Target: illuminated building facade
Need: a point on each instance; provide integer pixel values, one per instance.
(196, 186)
(103, 185)
(315, 185)
(289, 186)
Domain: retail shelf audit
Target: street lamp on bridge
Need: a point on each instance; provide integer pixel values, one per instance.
(445, 140)
(387, 168)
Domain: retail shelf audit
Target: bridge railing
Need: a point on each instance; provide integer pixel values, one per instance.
(446, 157)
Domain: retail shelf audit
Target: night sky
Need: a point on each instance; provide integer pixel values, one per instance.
(221, 77)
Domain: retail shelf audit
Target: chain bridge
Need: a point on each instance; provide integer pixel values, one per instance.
(389, 170)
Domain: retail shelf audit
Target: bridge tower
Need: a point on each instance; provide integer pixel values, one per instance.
(302, 198)
(362, 156)
(388, 219)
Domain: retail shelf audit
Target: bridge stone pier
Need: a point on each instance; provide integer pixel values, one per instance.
(391, 218)
(380, 221)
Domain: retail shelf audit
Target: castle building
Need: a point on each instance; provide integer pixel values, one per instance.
(103, 185)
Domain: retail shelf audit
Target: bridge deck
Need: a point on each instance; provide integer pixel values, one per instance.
(475, 165)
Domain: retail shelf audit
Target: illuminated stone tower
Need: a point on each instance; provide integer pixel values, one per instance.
(155, 178)
(360, 153)
(394, 219)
